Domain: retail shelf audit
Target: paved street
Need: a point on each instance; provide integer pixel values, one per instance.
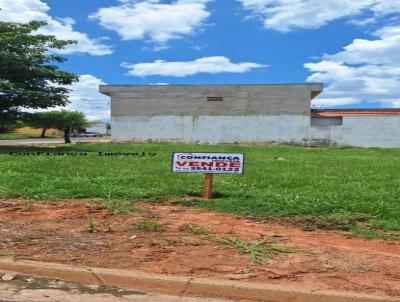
(41, 141)
(29, 289)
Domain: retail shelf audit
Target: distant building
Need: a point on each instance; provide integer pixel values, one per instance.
(357, 127)
(101, 127)
(277, 113)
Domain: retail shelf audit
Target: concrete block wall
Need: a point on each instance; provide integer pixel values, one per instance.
(191, 100)
(212, 129)
(361, 131)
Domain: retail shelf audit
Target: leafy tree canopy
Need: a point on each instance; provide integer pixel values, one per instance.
(30, 77)
(64, 120)
(57, 119)
(44, 120)
(10, 126)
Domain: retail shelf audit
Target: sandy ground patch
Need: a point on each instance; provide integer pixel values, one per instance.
(59, 231)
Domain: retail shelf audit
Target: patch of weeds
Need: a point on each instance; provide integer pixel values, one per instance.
(353, 224)
(6, 255)
(155, 199)
(93, 226)
(373, 234)
(393, 225)
(28, 205)
(95, 205)
(258, 250)
(148, 225)
(119, 206)
(337, 221)
(195, 229)
(2, 252)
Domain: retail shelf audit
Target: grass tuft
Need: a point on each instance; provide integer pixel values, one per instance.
(259, 250)
(195, 229)
(28, 205)
(148, 225)
(93, 226)
(121, 206)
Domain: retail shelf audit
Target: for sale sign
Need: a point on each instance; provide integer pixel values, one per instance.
(208, 163)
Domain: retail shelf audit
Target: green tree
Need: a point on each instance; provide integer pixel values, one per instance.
(10, 126)
(29, 75)
(43, 120)
(63, 120)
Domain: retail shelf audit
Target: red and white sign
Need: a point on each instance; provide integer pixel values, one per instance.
(209, 163)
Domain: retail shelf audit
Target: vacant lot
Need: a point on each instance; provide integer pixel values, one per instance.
(356, 190)
(171, 239)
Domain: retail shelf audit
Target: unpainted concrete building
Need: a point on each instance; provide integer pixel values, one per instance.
(239, 113)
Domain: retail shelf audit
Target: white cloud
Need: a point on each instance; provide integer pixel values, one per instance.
(85, 97)
(366, 70)
(28, 10)
(153, 20)
(287, 15)
(182, 69)
(384, 50)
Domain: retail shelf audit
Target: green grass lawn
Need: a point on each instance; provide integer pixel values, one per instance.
(343, 188)
(17, 136)
(4, 136)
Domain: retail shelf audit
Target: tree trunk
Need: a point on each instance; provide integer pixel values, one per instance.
(66, 135)
(43, 132)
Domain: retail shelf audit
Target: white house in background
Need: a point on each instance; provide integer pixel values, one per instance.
(378, 127)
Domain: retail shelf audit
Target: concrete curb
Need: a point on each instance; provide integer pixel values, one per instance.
(181, 285)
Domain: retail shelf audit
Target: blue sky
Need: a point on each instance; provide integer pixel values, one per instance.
(353, 47)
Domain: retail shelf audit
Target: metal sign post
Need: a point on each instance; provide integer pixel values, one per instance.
(208, 164)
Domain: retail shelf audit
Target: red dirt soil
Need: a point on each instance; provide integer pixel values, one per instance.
(57, 231)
